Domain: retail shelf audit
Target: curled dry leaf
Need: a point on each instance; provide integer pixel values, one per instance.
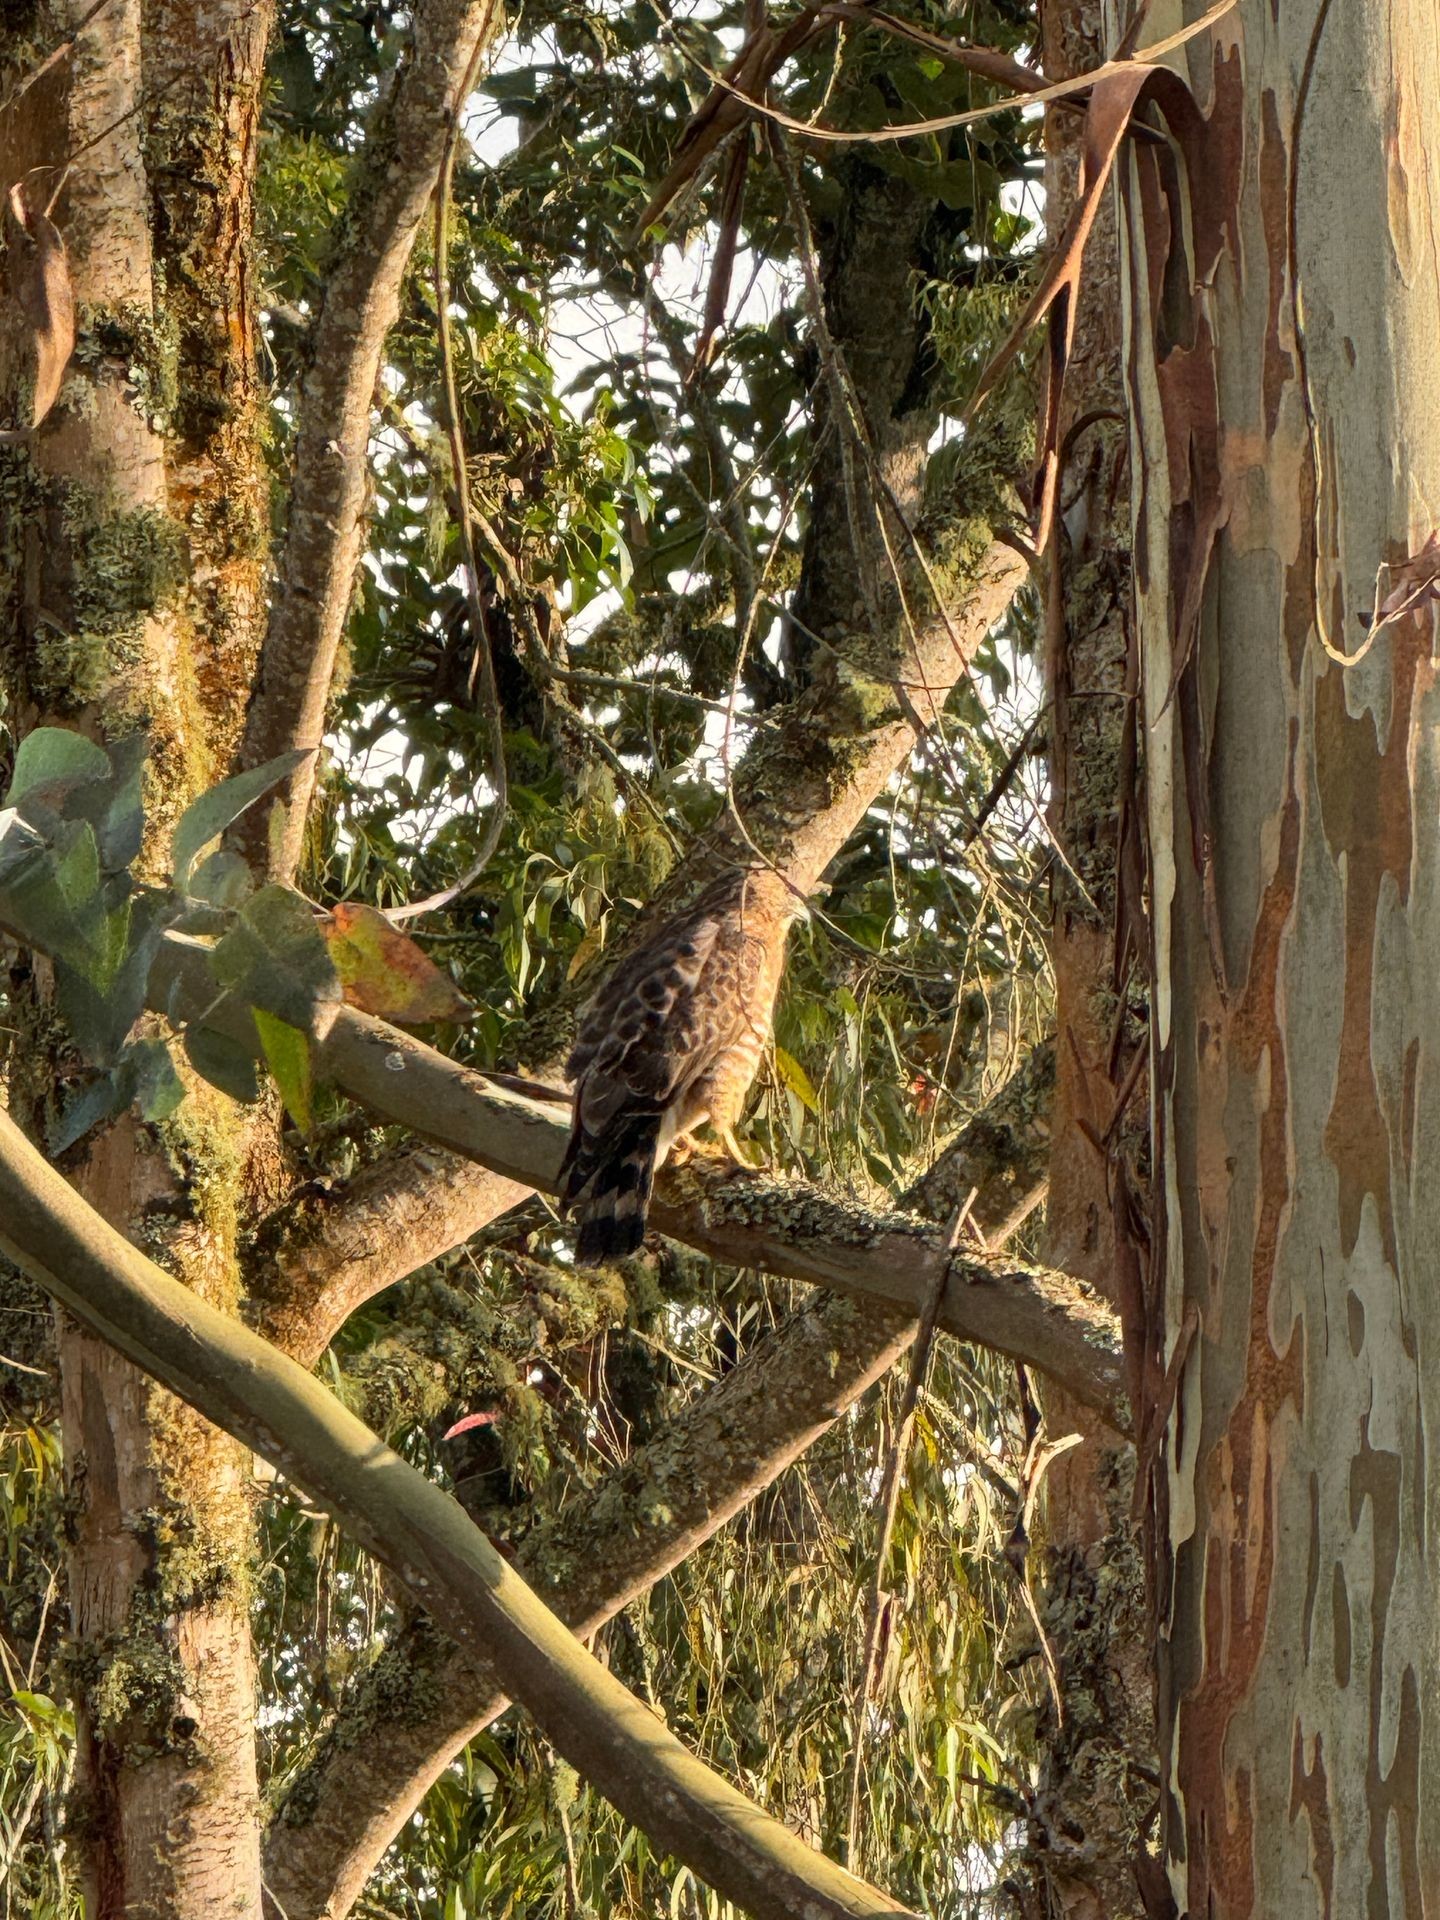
(383, 972)
(1413, 582)
(37, 280)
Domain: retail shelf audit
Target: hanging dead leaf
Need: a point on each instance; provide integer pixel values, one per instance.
(383, 972)
(1113, 100)
(471, 1421)
(37, 278)
(1413, 582)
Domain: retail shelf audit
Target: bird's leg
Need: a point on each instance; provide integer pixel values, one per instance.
(737, 1152)
(682, 1148)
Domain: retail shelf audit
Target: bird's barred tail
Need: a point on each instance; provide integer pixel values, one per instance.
(607, 1183)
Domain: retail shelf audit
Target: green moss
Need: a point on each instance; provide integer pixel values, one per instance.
(146, 345)
(126, 565)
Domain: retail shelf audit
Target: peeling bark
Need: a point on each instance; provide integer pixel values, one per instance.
(1281, 355)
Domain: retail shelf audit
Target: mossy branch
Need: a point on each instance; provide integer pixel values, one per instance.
(423, 1536)
(425, 1697)
(1046, 1319)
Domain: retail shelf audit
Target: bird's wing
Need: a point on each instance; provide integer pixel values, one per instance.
(647, 1032)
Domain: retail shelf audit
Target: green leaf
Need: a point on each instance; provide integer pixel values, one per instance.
(794, 1076)
(275, 957)
(83, 1109)
(52, 760)
(222, 879)
(20, 845)
(208, 816)
(115, 805)
(287, 1054)
(77, 870)
(224, 1062)
(158, 1087)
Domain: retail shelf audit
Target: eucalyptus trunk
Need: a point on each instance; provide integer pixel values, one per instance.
(1284, 295)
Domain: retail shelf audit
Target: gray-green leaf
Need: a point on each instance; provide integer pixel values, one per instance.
(210, 814)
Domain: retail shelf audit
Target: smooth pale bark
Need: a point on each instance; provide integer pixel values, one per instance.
(1295, 836)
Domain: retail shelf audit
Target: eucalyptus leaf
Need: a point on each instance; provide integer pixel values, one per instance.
(224, 1062)
(114, 804)
(83, 1108)
(158, 1088)
(222, 879)
(275, 957)
(288, 1056)
(212, 812)
(52, 760)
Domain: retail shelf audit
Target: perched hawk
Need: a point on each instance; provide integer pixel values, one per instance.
(672, 1039)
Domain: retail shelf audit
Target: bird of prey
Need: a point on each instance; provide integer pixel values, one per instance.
(672, 1039)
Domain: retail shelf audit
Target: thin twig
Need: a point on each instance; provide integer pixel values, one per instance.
(482, 667)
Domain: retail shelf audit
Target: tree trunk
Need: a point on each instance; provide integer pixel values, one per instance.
(132, 597)
(1289, 442)
(1091, 1805)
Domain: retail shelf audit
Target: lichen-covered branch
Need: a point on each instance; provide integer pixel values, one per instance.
(798, 796)
(326, 528)
(331, 1256)
(424, 1697)
(409, 1524)
(747, 1219)
(1001, 1156)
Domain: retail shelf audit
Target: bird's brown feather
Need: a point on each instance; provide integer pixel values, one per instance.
(674, 1037)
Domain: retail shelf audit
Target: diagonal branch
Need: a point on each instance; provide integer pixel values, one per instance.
(326, 530)
(799, 793)
(328, 1256)
(746, 1219)
(272, 1405)
(425, 1698)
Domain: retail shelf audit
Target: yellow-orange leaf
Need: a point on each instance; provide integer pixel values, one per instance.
(383, 972)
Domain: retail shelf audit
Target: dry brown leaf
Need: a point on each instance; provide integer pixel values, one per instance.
(37, 275)
(383, 972)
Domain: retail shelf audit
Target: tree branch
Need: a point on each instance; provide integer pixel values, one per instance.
(326, 529)
(422, 1535)
(1002, 1155)
(747, 1219)
(332, 1255)
(798, 795)
(425, 1698)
